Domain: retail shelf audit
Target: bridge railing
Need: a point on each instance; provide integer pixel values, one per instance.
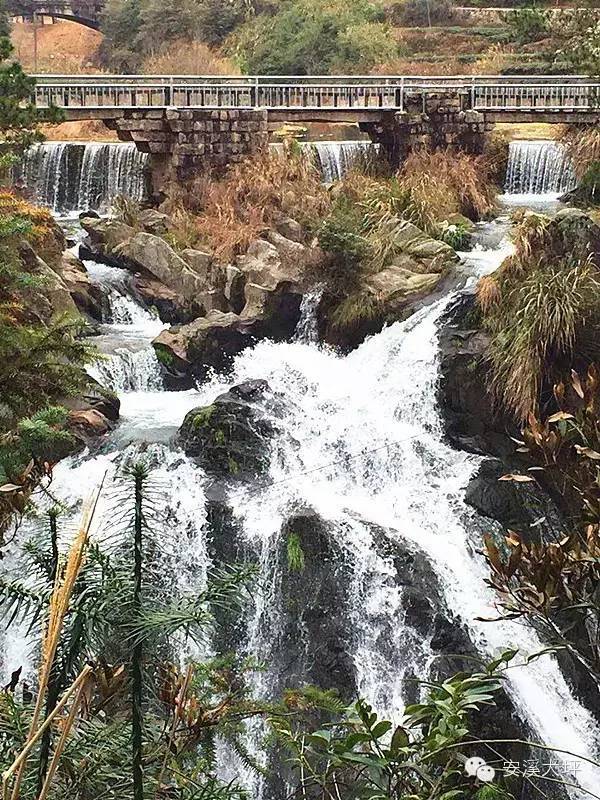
(485, 93)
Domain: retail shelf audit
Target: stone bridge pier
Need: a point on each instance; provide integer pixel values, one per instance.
(430, 121)
(183, 143)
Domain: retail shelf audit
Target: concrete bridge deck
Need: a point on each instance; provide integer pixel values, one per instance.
(562, 98)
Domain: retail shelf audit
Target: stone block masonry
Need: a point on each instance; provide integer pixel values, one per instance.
(186, 142)
(436, 120)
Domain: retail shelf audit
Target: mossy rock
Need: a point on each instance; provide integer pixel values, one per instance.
(230, 437)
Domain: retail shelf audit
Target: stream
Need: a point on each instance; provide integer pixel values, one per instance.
(360, 443)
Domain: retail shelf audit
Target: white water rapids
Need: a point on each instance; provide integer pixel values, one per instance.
(360, 442)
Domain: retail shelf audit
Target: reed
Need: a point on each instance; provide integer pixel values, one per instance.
(58, 609)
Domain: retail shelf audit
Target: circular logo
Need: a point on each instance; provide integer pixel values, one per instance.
(476, 767)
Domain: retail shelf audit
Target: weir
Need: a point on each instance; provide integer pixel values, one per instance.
(538, 167)
(72, 176)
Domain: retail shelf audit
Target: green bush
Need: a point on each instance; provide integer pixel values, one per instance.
(341, 238)
(527, 24)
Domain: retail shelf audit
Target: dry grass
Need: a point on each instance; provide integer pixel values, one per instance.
(494, 60)
(228, 214)
(446, 182)
(583, 146)
(188, 58)
(63, 47)
(489, 294)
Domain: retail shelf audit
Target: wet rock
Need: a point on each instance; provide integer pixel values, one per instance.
(210, 342)
(152, 293)
(88, 297)
(471, 421)
(313, 645)
(517, 506)
(230, 437)
(95, 398)
(88, 424)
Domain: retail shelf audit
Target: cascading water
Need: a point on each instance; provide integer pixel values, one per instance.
(336, 158)
(538, 168)
(359, 441)
(128, 361)
(69, 176)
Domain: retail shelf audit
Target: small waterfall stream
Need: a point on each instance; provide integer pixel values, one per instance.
(538, 168)
(69, 176)
(360, 443)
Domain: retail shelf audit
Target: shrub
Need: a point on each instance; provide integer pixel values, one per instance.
(188, 58)
(527, 24)
(341, 238)
(364, 44)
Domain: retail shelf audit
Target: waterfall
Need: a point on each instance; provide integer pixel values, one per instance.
(128, 362)
(307, 328)
(538, 168)
(336, 158)
(359, 443)
(69, 176)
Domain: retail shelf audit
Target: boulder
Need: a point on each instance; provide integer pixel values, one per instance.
(314, 642)
(154, 255)
(426, 254)
(88, 424)
(200, 261)
(289, 228)
(395, 286)
(104, 235)
(471, 420)
(153, 221)
(53, 298)
(230, 437)
(209, 342)
(523, 507)
(235, 281)
(152, 293)
(575, 235)
(88, 297)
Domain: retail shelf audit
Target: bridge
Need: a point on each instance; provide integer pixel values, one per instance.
(557, 98)
(191, 123)
(85, 12)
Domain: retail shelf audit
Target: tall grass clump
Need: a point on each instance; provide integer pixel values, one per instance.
(583, 147)
(542, 312)
(446, 182)
(233, 211)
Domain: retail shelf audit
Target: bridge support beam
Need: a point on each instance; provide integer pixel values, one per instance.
(432, 121)
(183, 143)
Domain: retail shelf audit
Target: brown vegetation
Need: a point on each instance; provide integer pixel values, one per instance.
(188, 58)
(62, 47)
(228, 214)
